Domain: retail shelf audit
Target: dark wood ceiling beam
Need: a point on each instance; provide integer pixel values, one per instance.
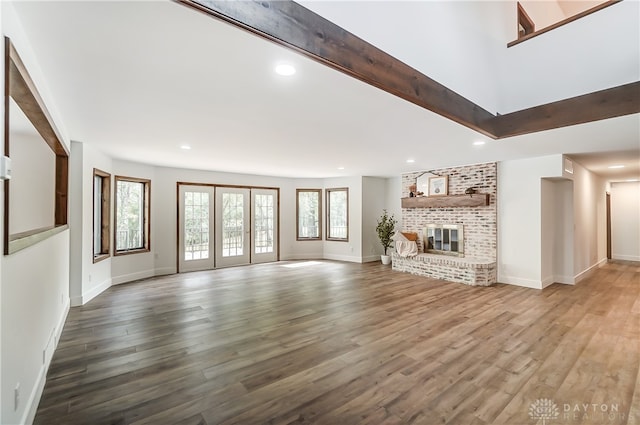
(600, 105)
(292, 25)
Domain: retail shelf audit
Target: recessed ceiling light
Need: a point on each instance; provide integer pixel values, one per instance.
(285, 69)
(479, 143)
(612, 167)
(410, 161)
(185, 147)
(340, 168)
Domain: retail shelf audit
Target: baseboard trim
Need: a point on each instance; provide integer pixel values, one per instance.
(294, 257)
(163, 271)
(589, 271)
(95, 291)
(371, 258)
(625, 257)
(126, 278)
(36, 394)
(548, 281)
(519, 281)
(347, 258)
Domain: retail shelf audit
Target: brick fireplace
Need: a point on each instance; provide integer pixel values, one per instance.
(478, 265)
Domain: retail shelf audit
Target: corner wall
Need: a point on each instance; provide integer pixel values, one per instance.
(87, 279)
(520, 218)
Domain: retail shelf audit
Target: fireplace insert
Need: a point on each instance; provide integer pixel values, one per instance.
(444, 239)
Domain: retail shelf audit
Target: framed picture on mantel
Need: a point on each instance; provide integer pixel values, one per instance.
(438, 186)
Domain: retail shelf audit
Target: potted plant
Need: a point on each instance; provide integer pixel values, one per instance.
(385, 228)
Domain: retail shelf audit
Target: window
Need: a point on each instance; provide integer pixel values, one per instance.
(132, 215)
(101, 214)
(338, 214)
(308, 210)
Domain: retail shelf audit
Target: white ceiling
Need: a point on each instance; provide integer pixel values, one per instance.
(139, 79)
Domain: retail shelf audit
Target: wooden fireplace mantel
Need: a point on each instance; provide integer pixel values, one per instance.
(475, 200)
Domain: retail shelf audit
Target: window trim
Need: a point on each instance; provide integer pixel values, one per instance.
(328, 203)
(105, 211)
(319, 193)
(525, 21)
(146, 227)
(19, 86)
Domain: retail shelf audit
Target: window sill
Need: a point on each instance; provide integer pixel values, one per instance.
(131, 251)
(100, 257)
(20, 241)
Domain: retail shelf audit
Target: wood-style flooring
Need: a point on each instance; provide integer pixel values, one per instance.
(326, 342)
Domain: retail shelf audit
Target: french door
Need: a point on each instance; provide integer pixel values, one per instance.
(226, 226)
(232, 225)
(264, 220)
(195, 221)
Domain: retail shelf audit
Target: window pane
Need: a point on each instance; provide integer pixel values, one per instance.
(309, 214)
(232, 224)
(97, 215)
(130, 223)
(196, 226)
(263, 226)
(338, 220)
(101, 215)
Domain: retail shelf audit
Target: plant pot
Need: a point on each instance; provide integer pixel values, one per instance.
(386, 259)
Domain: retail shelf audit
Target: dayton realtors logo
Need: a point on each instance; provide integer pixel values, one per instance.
(545, 409)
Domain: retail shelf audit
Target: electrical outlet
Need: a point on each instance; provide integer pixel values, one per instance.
(89, 277)
(16, 396)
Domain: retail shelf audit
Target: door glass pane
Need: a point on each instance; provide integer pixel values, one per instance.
(196, 226)
(263, 227)
(232, 224)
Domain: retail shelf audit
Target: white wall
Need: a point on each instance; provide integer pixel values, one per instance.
(625, 221)
(565, 50)
(29, 152)
(483, 69)
(374, 201)
(589, 200)
(557, 231)
(35, 300)
(519, 218)
(413, 33)
(86, 278)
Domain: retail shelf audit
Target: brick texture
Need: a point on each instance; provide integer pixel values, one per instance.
(479, 224)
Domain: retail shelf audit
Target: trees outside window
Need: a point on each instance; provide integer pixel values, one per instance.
(132, 215)
(338, 214)
(308, 213)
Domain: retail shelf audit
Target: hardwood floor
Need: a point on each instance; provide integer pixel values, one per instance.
(343, 343)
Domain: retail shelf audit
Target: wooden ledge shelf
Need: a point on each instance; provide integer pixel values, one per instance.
(475, 200)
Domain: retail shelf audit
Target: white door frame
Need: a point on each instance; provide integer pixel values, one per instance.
(217, 260)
